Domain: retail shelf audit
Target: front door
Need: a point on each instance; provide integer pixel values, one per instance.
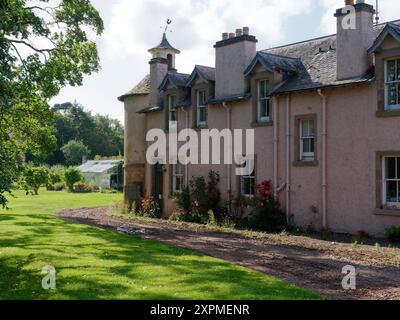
(158, 174)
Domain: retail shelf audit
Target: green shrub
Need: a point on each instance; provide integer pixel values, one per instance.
(56, 175)
(34, 178)
(83, 187)
(72, 176)
(149, 208)
(393, 234)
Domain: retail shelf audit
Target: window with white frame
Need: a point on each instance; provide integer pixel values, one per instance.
(172, 112)
(392, 84)
(247, 183)
(307, 140)
(264, 101)
(201, 108)
(391, 181)
(177, 177)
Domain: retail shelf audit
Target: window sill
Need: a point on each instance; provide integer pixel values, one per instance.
(388, 113)
(387, 212)
(305, 163)
(258, 124)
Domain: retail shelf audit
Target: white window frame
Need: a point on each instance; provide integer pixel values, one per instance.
(390, 107)
(306, 156)
(251, 176)
(385, 180)
(199, 107)
(176, 175)
(173, 124)
(259, 99)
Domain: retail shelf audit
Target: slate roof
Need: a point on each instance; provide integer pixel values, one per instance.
(177, 79)
(273, 62)
(205, 73)
(318, 64)
(150, 109)
(390, 29)
(142, 88)
(230, 98)
(164, 44)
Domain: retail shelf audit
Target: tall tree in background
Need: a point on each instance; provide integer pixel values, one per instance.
(43, 47)
(102, 135)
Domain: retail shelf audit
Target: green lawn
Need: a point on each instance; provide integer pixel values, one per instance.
(93, 263)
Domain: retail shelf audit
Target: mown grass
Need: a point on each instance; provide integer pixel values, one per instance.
(93, 263)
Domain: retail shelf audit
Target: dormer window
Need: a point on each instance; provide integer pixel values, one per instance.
(392, 84)
(172, 113)
(264, 102)
(201, 108)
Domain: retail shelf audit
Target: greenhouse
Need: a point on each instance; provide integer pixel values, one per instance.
(104, 173)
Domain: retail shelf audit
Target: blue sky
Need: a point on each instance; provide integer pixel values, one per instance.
(133, 26)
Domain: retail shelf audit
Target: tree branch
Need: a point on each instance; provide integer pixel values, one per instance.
(41, 51)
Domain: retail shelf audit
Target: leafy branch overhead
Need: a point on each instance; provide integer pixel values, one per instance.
(44, 46)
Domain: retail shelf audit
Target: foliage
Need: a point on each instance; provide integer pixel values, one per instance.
(149, 208)
(84, 187)
(56, 175)
(34, 178)
(102, 135)
(43, 48)
(74, 151)
(199, 199)
(265, 213)
(393, 234)
(72, 176)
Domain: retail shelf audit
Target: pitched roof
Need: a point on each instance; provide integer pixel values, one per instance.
(272, 62)
(176, 79)
(206, 74)
(318, 69)
(390, 29)
(164, 44)
(142, 88)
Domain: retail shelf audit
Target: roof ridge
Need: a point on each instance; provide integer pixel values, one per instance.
(279, 55)
(199, 65)
(325, 37)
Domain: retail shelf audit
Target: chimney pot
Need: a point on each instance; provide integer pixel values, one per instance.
(239, 32)
(225, 36)
(232, 35)
(349, 2)
(246, 31)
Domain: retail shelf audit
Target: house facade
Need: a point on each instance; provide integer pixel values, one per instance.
(325, 114)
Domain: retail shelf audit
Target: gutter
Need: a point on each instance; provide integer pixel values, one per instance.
(228, 166)
(324, 162)
(288, 186)
(276, 140)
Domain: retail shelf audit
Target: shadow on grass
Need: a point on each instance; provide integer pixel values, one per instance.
(94, 263)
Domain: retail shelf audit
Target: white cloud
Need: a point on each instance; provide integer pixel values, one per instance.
(135, 25)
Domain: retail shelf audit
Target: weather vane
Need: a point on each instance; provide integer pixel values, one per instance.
(166, 27)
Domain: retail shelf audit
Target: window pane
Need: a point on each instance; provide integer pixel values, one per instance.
(202, 114)
(202, 98)
(312, 145)
(392, 94)
(304, 128)
(263, 89)
(390, 168)
(398, 93)
(306, 145)
(391, 191)
(391, 71)
(311, 128)
(263, 108)
(398, 168)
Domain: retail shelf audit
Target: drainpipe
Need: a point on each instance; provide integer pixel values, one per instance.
(275, 123)
(228, 166)
(187, 127)
(324, 162)
(288, 186)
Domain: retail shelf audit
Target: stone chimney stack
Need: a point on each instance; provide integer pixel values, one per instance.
(162, 61)
(355, 35)
(233, 54)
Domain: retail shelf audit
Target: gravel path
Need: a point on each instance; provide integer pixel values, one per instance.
(306, 262)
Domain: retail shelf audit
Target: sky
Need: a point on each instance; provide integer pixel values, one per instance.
(134, 26)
